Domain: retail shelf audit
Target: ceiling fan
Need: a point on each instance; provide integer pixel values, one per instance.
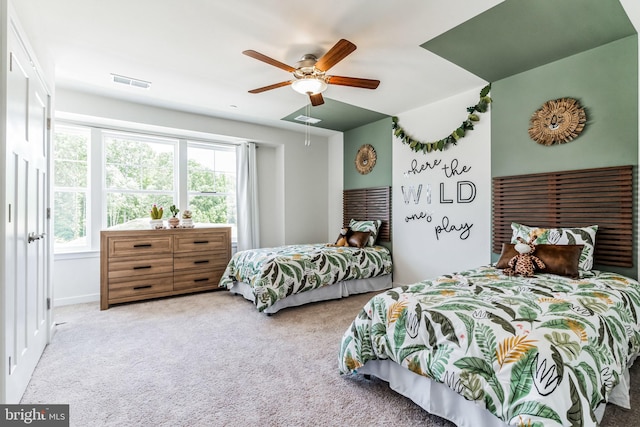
(310, 76)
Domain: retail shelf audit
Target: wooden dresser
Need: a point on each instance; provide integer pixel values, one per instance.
(143, 264)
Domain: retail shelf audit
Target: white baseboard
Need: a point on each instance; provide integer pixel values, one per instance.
(76, 300)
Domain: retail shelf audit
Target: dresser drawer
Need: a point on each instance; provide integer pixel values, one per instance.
(134, 246)
(193, 280)
(140, 287)
(140, 266)
(202, 241)
(210, 259)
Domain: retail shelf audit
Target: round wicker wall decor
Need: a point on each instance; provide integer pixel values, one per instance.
(365, 159)
(557, 121)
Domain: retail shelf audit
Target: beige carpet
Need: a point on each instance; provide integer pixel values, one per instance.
(212, 360)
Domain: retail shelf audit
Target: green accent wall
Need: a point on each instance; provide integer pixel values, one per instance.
(378, 134)
(605, 81)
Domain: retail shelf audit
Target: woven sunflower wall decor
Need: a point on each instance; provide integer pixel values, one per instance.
(557, 121)
(365, 159)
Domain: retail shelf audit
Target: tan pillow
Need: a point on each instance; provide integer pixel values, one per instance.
(359, 239)
(559, 259)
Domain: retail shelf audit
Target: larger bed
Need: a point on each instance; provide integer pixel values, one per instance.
(480, 347)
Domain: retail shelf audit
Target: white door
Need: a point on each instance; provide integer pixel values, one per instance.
(26, 315)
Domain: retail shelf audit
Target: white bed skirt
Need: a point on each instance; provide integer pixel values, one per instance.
(438, 399)
(335, 291)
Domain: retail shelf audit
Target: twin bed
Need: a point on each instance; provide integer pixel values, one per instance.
(293, 275)
(480, 347)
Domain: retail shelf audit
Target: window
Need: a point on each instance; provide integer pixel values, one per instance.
(108, 178)
(139, 172)
(211, 183)
(70, 187)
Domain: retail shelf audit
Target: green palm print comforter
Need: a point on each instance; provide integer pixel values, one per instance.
(275, 273)
(541, 351)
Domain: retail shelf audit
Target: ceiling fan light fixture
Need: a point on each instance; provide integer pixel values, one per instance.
(309, 85)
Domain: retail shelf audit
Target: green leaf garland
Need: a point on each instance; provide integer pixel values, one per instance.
(439, 145)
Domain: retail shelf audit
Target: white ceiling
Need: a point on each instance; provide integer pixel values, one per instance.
(191, 50)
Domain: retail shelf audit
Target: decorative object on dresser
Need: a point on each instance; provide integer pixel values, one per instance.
(174, 221)
(156, 217)
(187, 222)
(143, 264)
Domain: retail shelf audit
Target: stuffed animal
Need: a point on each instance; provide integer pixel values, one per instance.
(525, 262)
(343, 237)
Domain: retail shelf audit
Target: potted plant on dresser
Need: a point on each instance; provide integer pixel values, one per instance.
(174, 221)
(156, 217)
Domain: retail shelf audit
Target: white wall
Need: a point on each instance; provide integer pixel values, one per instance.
(336, 185)
(422, 248)
(292, 179)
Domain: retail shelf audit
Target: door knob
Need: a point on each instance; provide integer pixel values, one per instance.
(32, 237)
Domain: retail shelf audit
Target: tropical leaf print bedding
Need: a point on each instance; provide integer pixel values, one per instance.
(540, 351)
(275, 273)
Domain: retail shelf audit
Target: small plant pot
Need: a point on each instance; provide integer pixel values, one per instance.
(156, 224)
(187, 222)
(174, 222)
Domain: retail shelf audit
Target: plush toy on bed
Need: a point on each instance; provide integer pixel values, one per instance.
(343, 238)
(525, 262)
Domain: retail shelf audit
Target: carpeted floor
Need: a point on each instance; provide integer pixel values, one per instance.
(212, 360)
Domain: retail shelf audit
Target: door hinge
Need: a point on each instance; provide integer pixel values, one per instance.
(49, 123)
(10, 61)
(48, 213)
(48, 303)
(9, 365)
(9, 212)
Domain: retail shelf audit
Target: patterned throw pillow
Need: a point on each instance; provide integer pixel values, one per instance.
(561, 236)
(373, 226)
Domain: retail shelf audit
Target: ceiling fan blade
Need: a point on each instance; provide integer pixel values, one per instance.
(316, 99)
(337, 53)
(273, 86)
(264, 58)
(353, 81)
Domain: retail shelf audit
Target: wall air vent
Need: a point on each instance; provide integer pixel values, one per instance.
(307, 119)
(129, 81)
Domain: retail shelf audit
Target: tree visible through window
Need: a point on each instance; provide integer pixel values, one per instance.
(211, 183)
(132, 172)
(139, 172)
(70, 186)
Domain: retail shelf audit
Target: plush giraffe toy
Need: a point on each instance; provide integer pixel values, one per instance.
(525, 262)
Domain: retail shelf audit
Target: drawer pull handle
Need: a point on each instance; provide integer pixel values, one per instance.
(142, 245)
(199, 242)
(206, 279)
(141, 267)
(204, 261)
(135, 288)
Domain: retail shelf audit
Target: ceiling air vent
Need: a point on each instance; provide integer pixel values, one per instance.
(307, 119)
(129, 81)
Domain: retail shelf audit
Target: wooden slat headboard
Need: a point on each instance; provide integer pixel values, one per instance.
(368, 204)
(602, 196)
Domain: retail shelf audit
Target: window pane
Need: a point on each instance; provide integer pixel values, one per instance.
(70, 226)
(213, 209)
(138, 163)
(70, 153)
(211, 169)
(134, 208)
(70, 187)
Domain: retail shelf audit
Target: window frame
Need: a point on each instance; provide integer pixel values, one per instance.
(96, 206)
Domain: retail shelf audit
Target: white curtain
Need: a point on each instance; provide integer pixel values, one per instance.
(247, 197)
